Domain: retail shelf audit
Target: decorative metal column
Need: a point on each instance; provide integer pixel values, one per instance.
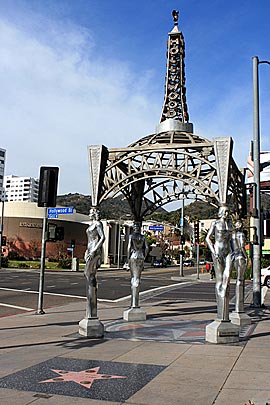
(174, 114)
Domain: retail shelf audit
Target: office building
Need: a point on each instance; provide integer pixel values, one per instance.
(23, 189)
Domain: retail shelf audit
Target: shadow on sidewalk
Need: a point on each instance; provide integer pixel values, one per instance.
(73, 344)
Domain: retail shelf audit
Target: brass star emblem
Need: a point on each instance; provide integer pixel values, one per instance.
(85, 378)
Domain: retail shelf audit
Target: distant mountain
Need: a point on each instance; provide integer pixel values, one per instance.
(117, 207)
(113, 208)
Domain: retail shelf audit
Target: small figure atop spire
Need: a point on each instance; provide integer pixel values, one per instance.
(175, 15)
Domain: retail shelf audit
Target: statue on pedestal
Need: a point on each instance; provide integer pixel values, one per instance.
(240, 263)
(240, 260)
(90, 326)
(221, 251)
(137, 252)
(96, 238)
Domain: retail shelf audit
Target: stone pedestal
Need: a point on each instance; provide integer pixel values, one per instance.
(222, 332)
(240, 318)
(134, 314)
(91, 328)
(75, 264)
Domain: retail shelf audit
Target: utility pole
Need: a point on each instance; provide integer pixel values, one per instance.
(257, 247)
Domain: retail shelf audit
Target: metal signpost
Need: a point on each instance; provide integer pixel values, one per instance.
(48, 213)
(40, 310)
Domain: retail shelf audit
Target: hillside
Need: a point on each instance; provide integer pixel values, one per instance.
(117, 207)
(112, 208)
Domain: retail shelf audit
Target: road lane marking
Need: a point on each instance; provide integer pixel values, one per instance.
(45, 293)
(142, 294)
(16, 307)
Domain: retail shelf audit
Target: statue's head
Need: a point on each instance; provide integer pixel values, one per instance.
(94, 213)
(238, 225)
(137, 227)
(223, 211)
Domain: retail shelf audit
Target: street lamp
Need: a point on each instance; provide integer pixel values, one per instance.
(257, 249)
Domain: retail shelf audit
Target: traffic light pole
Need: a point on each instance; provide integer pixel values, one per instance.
(40, 310)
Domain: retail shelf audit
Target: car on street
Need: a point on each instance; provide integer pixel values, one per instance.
(265, 276)
(160, 263)
(202, 262)
(189, 263)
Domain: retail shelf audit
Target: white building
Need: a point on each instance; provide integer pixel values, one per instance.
(21, 189)
(2, 170)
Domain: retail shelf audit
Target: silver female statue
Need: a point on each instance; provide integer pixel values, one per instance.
(222, 257)
(240, 263)
(96, 237)
(137, 252)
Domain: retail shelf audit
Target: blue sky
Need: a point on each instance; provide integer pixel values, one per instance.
(81, 72)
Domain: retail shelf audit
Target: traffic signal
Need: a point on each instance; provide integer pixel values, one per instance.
(73, 242)
(59, 233)
(48, 179)
(3, 241)
(197, 232)
(51, 234)
(182, 240)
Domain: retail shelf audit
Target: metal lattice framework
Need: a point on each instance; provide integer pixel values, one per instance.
(168, 167)
(173, 163)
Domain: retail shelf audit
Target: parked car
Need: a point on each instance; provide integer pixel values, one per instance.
(160, 263)
(265, 276)
(202, 262)
(189, 263)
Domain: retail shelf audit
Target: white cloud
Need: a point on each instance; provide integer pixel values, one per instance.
(59, 95)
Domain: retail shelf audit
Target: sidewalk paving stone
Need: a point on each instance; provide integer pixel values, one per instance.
(174, 364)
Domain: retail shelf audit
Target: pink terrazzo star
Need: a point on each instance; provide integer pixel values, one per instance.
(84, 378)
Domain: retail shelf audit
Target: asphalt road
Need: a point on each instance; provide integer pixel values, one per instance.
(19, 288)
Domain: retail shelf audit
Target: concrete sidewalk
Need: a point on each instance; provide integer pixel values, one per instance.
(138, 364)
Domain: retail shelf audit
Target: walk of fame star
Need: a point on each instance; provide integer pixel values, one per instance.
(84, 377)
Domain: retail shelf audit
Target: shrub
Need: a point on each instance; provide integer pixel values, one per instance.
(64, 264)
(4, 262)
(24, 266)
(264, 262)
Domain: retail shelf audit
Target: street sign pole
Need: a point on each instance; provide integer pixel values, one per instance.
(181, 258)
(198, 254)
(40, 310)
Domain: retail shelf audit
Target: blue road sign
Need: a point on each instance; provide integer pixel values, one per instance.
(60, 211)
(156, 228)
(50, 216)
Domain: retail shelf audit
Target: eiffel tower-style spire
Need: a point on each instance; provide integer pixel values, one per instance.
(175, 112)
